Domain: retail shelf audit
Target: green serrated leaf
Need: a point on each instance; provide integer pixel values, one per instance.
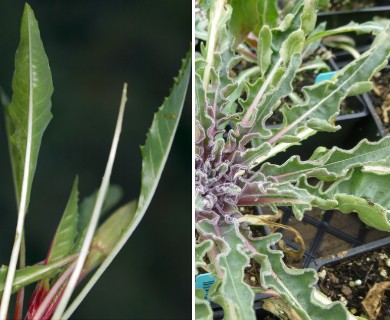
(160, 136)
(155, 153)
(66, 233)
(28, 114)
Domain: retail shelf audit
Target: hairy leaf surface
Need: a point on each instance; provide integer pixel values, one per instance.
(203, 309)
(330, 164)
(230, 291)
(366, 194)
(296, 286)
(323, 99)
(200, 251)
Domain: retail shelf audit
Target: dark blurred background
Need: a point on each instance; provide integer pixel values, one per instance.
(93, 47)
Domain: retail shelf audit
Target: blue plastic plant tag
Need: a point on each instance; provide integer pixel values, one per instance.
(204, 281)
(324, 76)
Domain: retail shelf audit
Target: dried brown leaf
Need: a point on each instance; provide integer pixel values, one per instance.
(372, 302)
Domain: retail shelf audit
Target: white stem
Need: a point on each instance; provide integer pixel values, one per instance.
(23, 198)
(114, 252)
(128, 230)
(53, 292)
(95, 214)
(259, 95)
(212, 41)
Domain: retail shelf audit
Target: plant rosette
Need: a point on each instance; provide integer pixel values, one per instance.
(234, 152)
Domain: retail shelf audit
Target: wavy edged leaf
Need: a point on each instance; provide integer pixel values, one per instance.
(374, 27)
(28, 114)
(322, 100)
(366, 194)
(200, 251)
(264, 95)
(330, 164)
(283, 195)
(203, 309)
(229, 290)
(295, 286)
(155, 153)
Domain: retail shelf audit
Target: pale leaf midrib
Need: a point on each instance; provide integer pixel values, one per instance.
(337, 162)
(296, 122)
(24, 192)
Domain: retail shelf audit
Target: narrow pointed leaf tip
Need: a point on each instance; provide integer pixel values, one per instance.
(85, 247)
(160, 136)
(155, 153)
